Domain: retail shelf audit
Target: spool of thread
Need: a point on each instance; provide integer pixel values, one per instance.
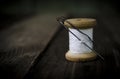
(77, 50)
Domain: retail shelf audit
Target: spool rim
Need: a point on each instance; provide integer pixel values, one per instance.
(76, 57)
(81, 23)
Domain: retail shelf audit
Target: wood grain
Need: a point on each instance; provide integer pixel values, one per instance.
(53, 65)
(23, 42)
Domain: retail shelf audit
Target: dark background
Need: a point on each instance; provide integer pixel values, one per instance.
(26, 7)
(14, 10)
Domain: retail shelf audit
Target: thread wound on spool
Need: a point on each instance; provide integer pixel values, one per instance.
(77, 49)
(77, 46)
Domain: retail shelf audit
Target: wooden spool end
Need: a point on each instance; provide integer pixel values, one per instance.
(81, 23)
(76, 57)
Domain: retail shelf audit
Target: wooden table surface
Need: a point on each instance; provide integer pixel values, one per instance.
(22, 42)
(53, 65)
(25, 55)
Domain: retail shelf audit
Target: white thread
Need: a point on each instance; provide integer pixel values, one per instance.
(75, 45)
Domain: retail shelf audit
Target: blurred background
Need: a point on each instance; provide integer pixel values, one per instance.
(76, 6)
(21, 8)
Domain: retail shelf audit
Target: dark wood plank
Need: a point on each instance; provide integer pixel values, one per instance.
(23, 42)
(53, 65)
